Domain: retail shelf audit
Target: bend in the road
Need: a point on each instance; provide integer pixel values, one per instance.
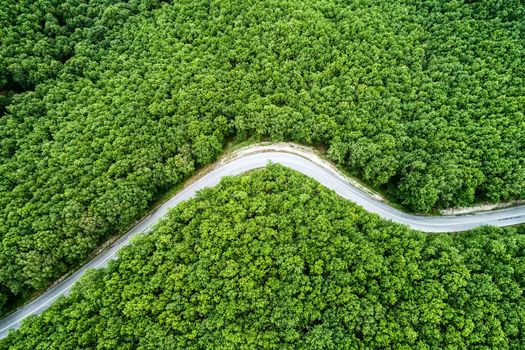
(255, 157)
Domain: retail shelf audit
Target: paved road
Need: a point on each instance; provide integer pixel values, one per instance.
(309, 165)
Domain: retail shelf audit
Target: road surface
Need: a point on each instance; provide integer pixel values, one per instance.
(256, 157)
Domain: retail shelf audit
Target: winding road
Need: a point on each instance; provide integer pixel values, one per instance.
(254, 157)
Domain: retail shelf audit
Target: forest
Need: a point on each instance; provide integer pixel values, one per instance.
(273, 260)
(106, 104)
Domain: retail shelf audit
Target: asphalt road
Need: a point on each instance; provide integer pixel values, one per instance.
(301, 161)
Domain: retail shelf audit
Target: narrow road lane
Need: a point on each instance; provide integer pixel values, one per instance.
(256, 157)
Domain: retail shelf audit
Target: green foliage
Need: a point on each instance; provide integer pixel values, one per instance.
(38, 37)
(109, 103)
(274, 260)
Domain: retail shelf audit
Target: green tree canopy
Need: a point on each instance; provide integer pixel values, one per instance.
(105, 104)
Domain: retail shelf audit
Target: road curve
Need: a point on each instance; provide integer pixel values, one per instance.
(301, 160)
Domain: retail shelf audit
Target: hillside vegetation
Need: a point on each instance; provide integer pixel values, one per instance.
(274, 260)
(106, 104)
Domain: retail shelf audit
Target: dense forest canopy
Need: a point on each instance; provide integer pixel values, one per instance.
(105, 104)
(274, 260)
